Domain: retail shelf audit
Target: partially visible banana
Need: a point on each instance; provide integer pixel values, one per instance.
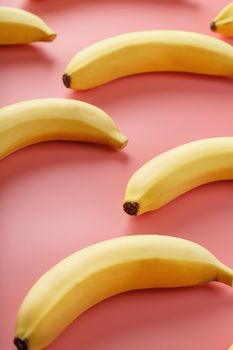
(33, 121)
(231, 347)
(106, 269)
(177, 171)
(21, 27)
(223, 23)
(148, 51)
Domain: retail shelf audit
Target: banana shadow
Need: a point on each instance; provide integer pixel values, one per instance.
(153, 314)
(228, 40)
(19, 59)
(148, 85)
(53, 155)
(197, 209)
(43, 6)
(24, 53)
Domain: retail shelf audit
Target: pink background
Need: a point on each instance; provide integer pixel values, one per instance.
(58, 197)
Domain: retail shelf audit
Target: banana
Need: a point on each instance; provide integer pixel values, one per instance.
(22, 27)
(231, 347)
(223, 23)
(29, 122)
(105, 269)
(148, 51)
(177, 171)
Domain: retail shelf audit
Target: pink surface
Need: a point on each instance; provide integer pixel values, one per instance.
(58, 197)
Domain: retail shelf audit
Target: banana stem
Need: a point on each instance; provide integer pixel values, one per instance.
(118, 140)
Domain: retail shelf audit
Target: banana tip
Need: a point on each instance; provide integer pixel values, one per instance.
(131, 208)
(213, 26)
(52, 37)
(66, 80)
(120, 140)
(21, 344)
(124, 143)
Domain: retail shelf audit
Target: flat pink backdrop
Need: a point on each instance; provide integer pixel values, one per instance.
(56, 198)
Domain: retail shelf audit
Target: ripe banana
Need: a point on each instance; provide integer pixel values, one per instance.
(25, 123)
(106, 269)
(223, 23)
(231, 347)
(22, 27)
(149, 51)
(177, 171)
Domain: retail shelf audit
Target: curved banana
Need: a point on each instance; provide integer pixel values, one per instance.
(177, 171)
(22, 27)
(106, 269)
(149, 51)
(29, 122)
(223, 23)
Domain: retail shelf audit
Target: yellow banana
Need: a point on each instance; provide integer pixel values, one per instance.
(223, 23)
(22, 27)
(25, 123)
(149, 51)
(177, 171)
(231, 347)
(106, 269)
